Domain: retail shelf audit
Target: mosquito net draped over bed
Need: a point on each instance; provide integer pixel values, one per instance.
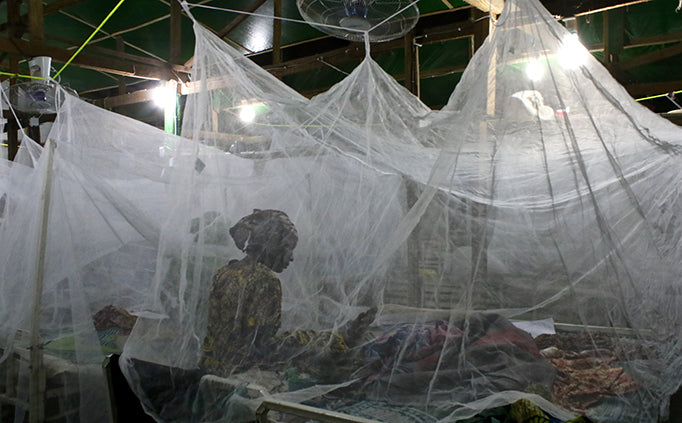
(522, 242)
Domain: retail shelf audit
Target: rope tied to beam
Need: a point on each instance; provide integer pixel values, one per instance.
(89, 38)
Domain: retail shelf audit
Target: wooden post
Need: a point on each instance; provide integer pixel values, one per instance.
(12, 137)
(34, 129)
(415, 283)
(277, 34)
(614, 36)
(479, 211)
(35, 20)
(15, 30)
(37, 371)
(481, 29)
(175, 53)
(412, 80)
(122, 88)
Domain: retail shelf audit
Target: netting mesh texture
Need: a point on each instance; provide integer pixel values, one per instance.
(357, 251)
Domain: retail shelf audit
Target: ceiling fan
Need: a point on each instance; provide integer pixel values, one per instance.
(349, 19)
(37, 96)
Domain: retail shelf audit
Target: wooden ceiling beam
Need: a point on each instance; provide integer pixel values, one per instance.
(564, 9)
(175, 36)
(234, 23)
(645, 89)
(87, 61)
(356, 51)
(492, 6)
(48, 9)
(652, 57)
(120, 54)
(58, 5)
(35, 20)
(139, 96)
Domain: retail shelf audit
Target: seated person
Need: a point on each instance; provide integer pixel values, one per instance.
(245, 300)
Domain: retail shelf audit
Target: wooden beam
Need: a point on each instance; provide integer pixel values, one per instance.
(35, 20)
(122, 88)
(488, 6)
(356, 51)
(614, 36)
(12, 138)
(83, 60)
(139, 96)
(277, 34)
(175, 53)
(655, 40)
(412, 77)
(48, 9)
(646, 89)
(15, 26)
(652, 57)
(239, 19)
(58, 5)
(481, 29)
(118, 53)
(563, 8)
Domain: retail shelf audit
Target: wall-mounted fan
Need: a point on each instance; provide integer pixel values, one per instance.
(348, 18)
(36, 96)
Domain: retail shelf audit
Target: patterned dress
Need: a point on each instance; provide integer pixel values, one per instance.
(244, 313)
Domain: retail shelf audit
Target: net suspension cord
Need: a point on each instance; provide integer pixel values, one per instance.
(394, 15)
(89, 38)
(261, 15)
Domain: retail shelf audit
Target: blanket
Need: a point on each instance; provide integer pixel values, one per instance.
(461, 361)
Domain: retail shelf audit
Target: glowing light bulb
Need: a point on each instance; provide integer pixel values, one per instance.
(247, 113)
(534, 70)
(164, 96)
(572, 53)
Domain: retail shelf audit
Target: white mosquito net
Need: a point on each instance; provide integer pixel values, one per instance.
(523, 242)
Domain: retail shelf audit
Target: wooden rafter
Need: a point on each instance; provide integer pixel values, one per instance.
(88, 61)
(492, 6)
(175, 37)
(239, 19)
(48, 9)
(652, 57)
(109, 35)
(277, 34)
(35, 20)
(458, 29)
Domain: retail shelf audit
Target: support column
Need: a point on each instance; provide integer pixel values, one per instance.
(277, 34)
(15, 29)
(412, 77)
(614, 37)
(175, 53)
(122, 87)
(35, 20)
(481, 29)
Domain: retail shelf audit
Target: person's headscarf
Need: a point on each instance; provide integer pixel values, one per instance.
(267, 235)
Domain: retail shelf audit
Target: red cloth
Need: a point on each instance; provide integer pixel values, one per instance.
(510, 335)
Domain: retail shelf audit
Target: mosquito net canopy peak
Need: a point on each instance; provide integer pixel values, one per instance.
(356, 251)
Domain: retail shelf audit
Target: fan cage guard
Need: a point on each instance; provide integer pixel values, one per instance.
(36, 96)
(333, 16)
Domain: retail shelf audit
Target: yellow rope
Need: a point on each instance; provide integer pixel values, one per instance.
(18, 75)
(657, 96)
(89, 38)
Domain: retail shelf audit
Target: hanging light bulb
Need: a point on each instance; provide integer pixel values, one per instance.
(247, 113)
(164, 96)
(534, 70)
(572, 53)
